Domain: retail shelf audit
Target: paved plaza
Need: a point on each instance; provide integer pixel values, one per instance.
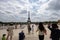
(28, 37)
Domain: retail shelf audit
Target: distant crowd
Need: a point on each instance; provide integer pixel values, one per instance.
(55, 32)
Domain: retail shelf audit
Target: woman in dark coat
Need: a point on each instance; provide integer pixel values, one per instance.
(21, 35)
(55, 32)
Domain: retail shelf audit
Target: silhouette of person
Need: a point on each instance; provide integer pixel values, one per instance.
(42, 31)
(29, 29)
(55, 32)
(15, 26)
(32, 29)
(21, 35)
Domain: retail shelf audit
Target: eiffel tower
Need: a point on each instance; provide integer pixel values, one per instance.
(29, 21)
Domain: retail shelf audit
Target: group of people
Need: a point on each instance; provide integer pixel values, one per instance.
(30, 29)
(9, 34)
(55, 32)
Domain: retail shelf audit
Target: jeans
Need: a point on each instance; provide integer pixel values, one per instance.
(41, 37)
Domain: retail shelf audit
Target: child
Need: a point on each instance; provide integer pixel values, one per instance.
(3, 37)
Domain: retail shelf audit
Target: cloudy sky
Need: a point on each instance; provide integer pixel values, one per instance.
(40, 10)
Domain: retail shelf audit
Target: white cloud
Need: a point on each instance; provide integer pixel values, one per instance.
(41, 10)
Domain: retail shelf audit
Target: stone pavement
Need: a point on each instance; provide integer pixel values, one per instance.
(28, 37)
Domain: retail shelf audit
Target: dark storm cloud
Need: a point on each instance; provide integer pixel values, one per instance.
(23, 12)
(54, 5)
(33, 14)
(3, 0)
(53, 10)
(56, 14)
(33, 1)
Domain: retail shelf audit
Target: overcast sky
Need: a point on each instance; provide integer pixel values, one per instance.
(40, 10)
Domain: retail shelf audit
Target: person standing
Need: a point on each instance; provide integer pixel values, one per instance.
(55, 32)
(15, 26)
(29, 29)
(41, 31)
(32, 29)
(10, 33)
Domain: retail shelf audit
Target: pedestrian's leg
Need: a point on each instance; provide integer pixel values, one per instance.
(28, 31)
(32, 31)
(11, 37)
(7, 37)
(54, 39)
(41, 37)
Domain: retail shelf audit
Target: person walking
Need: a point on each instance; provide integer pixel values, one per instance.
(55, 32)
(41, 30)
